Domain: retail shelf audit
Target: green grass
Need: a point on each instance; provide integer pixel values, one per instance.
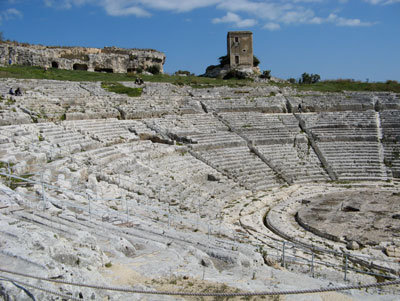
(121, 89)
(341, 85)
(27, 72)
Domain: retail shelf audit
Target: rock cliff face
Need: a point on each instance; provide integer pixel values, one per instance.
(109, 59)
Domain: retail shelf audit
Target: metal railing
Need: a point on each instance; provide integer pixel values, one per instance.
(286, 252)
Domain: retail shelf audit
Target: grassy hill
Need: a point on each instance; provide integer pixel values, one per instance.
(193, 81)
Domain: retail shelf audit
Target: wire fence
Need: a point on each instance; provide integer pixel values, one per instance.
(182, 293)
(287, 253)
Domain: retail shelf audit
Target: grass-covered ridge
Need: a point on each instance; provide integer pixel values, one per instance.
(121, 89)
(27, 72)
(341, 85)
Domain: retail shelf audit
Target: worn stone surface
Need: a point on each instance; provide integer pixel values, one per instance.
(363, 217)
(169, 190)
(109, 59)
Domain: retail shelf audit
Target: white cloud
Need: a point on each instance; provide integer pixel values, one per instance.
(269, 12)
(177, 5)
(236, 20)
(272, 26)
(340, 21)
(9, 14)
(124, 8)
(66, 4)
(382, 2)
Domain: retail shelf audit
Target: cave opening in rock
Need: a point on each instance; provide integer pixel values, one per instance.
(83, 67)
(106, 70)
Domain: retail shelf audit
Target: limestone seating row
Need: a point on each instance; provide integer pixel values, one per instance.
(100, 156)
(390, 125)
(240, 164)
(64, 138)
(147, 110)
(109, 155)
(19, 146)
(266, 104)
(388, 101)
(161, 107)
(138, 127)
(299, 162)
(354, 160)
(260, 120)
(262, 128)
(200, 123)
(392, 157)
(340, 134)
(182, 169)
(390, 118)
(215, 140)
(331, 103)
(270, 136)
(344, 119)
(104, 130)
(10, 117)
(391, 133)
(95, 89)
(152, 187)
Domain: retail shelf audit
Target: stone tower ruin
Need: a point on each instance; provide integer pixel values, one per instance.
(240, 49)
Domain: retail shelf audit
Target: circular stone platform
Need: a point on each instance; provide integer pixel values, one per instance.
(367, 217)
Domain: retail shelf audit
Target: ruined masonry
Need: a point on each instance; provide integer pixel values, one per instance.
(108, 59)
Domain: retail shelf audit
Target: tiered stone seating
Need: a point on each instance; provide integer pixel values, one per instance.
(189, 171)
(387, 101)
(202, 131)
(235, 93)
(147, 175)
(104, 130)
(349, 142)
(278, 138)
(101, 156)
(262, 128)
(332, 102)
(390, 123)
(95, 89)
(241, 165)
(9, 143)
(297, 162)
(215, 140)
(275, 104)
(10, 117)
(137, 127)
(147, 106)
(66, 139)
(19, 147)
(189, 123)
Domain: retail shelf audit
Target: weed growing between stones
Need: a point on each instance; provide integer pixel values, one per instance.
(121, 89)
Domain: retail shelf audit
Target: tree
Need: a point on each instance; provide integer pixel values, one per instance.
(224, 60)
(315, 78)
(256, 61)
(154, 69)
(266, 74)
(309, 79)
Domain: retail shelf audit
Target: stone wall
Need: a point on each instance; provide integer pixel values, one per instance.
(110, 59)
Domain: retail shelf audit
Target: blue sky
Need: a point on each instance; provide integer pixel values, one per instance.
(333, 38)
